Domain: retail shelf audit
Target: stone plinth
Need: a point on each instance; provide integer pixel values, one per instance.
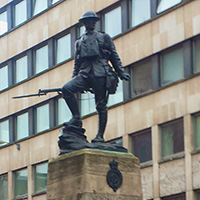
(82, 175)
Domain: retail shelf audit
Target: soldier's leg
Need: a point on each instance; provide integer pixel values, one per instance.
(75, 85)
(101, 98)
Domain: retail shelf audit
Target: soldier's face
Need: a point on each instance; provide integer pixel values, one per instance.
(89, 24)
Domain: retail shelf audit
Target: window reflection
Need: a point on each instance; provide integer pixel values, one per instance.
(42, 60)
(64, 113)
(141, 11)
(21, 69)
(113, 22)
(20, 12)
(166, 4)
(3, 23)
(42, 118)
(3, 77)
(39, 6)
(4, 132)
(22, 126)
(63, 48)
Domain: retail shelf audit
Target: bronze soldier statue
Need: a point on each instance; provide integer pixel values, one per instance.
(93, 51)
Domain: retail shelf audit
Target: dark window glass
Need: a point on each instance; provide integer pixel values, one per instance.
(196, 57)
(141, 145)
(175, 197)
(141, 78)
(4, 187)
(197, 195)
(172, 65)
(172, 138)
(196, 122)
(41, 177)
(21, 182)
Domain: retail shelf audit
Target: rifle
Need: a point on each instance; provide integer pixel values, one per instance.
(40, 93)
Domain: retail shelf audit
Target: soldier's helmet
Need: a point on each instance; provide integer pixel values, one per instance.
(89, 15)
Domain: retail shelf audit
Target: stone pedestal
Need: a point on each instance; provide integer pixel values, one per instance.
(94, 175)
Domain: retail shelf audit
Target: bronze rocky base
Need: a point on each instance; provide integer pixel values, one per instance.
(72, 138)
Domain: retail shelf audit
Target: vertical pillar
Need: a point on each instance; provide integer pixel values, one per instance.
(155, 157)
(188, 133)
(30, 182)
(10, 186)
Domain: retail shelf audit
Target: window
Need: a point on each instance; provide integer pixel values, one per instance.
(166, 4)
(54, 1)
(4, 132)
(172, 138)
(172, 66)
(142, 78)
(20, 180)
(113, 22)
(63, 51)
(197, 195)
(3, 77)
(81, 30)
(141, 145)
(175, 197)
(21, 69)
(42, 118)
(22, 126)
(64, 113)
(87, 104)
(40, 172)
(141, 11)
(39, 6)
(196, 122)
(20, 12)
(118, 96)
(4, 187)
(42, 61)
(3, 23)
(196, 57)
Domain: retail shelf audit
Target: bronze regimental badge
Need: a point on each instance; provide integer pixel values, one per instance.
(114, 176)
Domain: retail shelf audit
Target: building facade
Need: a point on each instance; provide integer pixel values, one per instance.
(156, 115)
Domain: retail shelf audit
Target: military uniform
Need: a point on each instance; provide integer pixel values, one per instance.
(90, 70)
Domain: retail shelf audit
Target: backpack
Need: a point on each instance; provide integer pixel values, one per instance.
(90, 45)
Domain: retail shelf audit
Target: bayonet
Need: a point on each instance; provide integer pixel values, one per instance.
(40, 93)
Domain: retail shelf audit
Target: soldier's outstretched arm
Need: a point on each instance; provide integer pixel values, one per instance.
(76, 60)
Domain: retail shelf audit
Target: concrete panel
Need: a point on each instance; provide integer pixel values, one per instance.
(164, 35)
(172, 177)
(17, 41)
(147, 182)
(196, 171)
(4, 155)
(192, 94)
(137, 44)
(4, 46)
(19, 158)
(191, 18)
(40, 148)
(40, 197)
(38, 30)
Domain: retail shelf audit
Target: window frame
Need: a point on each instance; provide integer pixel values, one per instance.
(34, 175)
(55, 42)
(138, 133)
(14, 177)
(167, 124)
